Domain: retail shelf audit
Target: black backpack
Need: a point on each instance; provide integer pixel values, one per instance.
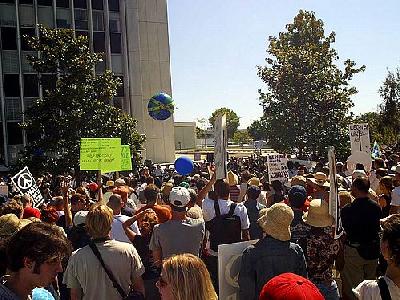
(224, 229)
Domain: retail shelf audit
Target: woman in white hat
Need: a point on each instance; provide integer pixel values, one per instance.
(321, 248)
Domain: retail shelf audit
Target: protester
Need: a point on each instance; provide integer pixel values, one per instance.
(180, 234)
(272, 255)
(152, 194)
(321, 248)
(253, 211)
(297, 197)
(185, 277)
(361, 223)
(385, 196)
(289, 286)
(387, 286)
(34, 256)
(85, 275)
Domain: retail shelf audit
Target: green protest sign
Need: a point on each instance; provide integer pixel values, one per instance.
(126, 161)
(100, 154)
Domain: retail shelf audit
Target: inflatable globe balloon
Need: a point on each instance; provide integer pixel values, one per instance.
(161, 106)
(184, 165)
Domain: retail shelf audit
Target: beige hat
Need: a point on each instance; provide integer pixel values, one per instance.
(318, 214)
(120, 182)
(232, 178)
(320, 179)
(276, 221)
(110, 183)
(254, 181)
(10, 224)
(298, 180)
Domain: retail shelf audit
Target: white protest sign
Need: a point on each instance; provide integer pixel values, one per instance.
(221, 144)
(334, 208)
(359, 138)
(229, 259)
(277, 167)
(359, 158)
(25, 183)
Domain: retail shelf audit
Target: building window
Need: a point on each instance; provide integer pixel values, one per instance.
(10, 62)
(98, 21)
(113, 5)
(118, 102)
(62, 3)
(45, 2)
(81, 19)
(115, 25)
(99, 43)
(14, 133)
(27, 16)
(97, 4)
(25, 34)
(8, 15)
(80, 4)
(7, 1)
(13, 109)
(9, 38)
(115, 40)
(45, 16)
(48, 82)
(31, 87)
(25, 1)
(11, 85)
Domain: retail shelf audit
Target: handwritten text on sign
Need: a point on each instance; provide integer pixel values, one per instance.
(100, 154)
(277, 168)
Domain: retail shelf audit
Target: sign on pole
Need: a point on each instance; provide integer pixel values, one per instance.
(277, 167)
(334, 207)
(100, 154)
(229, 259)
(221, 144)
(26, 184)
(359, 138)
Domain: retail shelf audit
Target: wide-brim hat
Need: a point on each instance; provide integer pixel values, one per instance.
(320, 179)
(254, 181)
(275, 221)
(318, 214)
(10, 224)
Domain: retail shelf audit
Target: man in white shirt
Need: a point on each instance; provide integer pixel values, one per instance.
(117, 231)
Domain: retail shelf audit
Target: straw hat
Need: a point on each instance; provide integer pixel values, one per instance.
(320, 179)
(298, 180)
(276, 221)
(110, 183)
(318, 214)
(10, 224)
(254, 181)
(232, 178)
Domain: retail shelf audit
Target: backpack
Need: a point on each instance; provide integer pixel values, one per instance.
(224, 229)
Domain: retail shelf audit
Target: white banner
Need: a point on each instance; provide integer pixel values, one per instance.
(221, 144)
(359, 138)
(229, 259)
(334, 207)
(277, 167)
(26, 184)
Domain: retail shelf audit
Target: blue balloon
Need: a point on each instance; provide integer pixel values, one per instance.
(160, 106)
(184, 165)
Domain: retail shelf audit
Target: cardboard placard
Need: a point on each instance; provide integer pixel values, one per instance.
(221, 144)
(359, 138)
(100, 154)
(26, 184)
(277, 167)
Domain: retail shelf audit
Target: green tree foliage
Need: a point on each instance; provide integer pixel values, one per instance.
(389, 109)
(76, 106)
(242, 137)
(232, 120)
(257, 130)
(306, 106)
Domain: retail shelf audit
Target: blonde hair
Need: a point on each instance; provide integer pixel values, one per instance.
(188, 278)
(99, 220)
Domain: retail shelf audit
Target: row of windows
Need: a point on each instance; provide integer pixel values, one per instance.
(96, 4)
(9, 39)
(31, 84)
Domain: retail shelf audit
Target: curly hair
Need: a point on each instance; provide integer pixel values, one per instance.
(391, 234)
(147, 222)
(37, 241)
(49, 215)
(12, 207)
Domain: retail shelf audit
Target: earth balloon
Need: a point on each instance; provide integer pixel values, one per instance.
(161, 106)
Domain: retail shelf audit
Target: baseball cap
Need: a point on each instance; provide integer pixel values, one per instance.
(80, 217)
(297, 196)
(289, 286)
(119, 182)
(179, 198)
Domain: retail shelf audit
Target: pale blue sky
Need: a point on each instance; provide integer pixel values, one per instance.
(217, 44)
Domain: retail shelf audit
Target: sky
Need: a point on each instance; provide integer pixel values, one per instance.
(216, 46)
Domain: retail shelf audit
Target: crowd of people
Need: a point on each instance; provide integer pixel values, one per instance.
(155, 235)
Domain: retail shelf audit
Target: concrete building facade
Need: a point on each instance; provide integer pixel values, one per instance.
(185, 135)
(132, 34)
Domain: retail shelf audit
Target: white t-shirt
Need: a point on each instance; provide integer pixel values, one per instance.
(395, 196)
(369, 290)
(118, 232)
(224, 205)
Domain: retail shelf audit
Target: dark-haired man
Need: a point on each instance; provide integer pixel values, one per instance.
(152, 194)
(34, 256)
(361, 222)
(297, 197)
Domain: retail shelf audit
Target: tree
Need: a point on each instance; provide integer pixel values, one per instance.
(306, 107)
(241, 137)
(75, 106)
(232, 120)
(389, 109)
(257, 130)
